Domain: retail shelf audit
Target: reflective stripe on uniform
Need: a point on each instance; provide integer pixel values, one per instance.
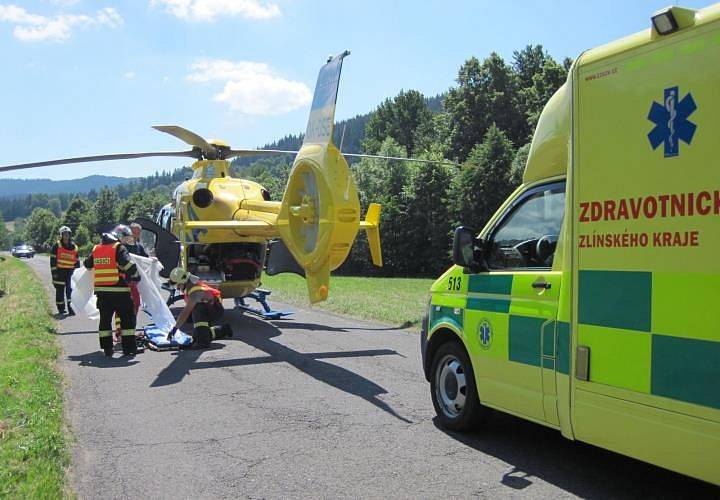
(128, 333)
(105, 272)
(199, 324)
(112, 289)
(104, 333)
(58, 282)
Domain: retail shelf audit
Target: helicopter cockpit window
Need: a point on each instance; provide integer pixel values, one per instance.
(148, 240)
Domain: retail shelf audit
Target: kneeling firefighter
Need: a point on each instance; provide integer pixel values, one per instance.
(113, 272)
(204, 303)
(63, 262)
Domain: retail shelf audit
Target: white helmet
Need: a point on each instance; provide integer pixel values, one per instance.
(179, 276)
(121, 230)
(65, 229)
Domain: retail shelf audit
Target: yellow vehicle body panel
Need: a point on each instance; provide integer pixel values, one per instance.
(623, 351)
(646, 231)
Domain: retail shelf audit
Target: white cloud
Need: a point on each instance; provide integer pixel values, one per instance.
(251, 88)
(36, 28)
(65, 3)
(130, 75)
(209, 10)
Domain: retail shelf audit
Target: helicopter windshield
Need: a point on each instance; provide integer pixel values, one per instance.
(207, 172)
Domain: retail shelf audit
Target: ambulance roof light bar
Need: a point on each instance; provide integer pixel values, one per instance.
(664, 21)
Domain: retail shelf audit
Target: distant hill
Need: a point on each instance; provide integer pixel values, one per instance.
(22, 187)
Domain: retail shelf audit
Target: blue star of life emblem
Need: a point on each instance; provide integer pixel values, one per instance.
(671, 122)
(485, 333)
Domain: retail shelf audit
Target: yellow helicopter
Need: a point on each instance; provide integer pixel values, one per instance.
(227, 230)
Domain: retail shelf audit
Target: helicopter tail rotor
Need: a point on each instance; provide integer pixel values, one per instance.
(320, 211)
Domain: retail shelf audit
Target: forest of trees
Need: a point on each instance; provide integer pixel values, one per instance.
(484, 123)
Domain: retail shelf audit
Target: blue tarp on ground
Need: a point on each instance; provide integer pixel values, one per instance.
(158, 338)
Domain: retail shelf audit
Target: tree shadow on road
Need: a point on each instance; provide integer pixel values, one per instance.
(538, 452)
(259, 334)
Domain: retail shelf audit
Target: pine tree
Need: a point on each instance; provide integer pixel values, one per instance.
(484, 182)
(428, 216)
(102, 217)
(517, 169)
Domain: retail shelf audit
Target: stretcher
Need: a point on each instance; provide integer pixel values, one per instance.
(156, 339)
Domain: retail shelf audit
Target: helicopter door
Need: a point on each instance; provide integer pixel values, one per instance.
(280, 260)
(161, 244)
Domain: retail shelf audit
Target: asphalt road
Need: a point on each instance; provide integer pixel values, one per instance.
(313, 406)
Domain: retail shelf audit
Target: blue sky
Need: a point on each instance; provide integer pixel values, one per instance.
(86, 77)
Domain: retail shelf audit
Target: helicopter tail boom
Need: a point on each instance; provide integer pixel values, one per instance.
(247, 227)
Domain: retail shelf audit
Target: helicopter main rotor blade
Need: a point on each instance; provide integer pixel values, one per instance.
(255, 152)
(84, 159)
(380, 157)
(186, 136)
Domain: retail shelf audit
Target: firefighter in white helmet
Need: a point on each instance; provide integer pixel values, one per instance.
(63, 262)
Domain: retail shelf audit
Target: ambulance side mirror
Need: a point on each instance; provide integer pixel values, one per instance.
(467, 252)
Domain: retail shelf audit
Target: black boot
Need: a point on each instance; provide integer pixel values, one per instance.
(106, 344)
(70, 311)
(202, 338)
(226, 331)
(129, 345)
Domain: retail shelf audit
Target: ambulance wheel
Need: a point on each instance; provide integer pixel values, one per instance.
(452, 386)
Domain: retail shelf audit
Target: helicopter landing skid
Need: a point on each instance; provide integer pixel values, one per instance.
(260, 296)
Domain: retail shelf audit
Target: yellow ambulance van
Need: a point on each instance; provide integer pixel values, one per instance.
(590, 302)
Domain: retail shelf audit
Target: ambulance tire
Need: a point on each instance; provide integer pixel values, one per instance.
(453, 391)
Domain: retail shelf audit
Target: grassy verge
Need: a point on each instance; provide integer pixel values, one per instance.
(33, 448)
(397, 301)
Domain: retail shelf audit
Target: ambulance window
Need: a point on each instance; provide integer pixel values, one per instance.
(527, 235)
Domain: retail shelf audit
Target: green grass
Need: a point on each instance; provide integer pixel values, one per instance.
(33, 449)
(396, 301)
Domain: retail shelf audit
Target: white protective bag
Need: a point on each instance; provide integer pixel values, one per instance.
(83, 297)
(149, 288)
(84, 300)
